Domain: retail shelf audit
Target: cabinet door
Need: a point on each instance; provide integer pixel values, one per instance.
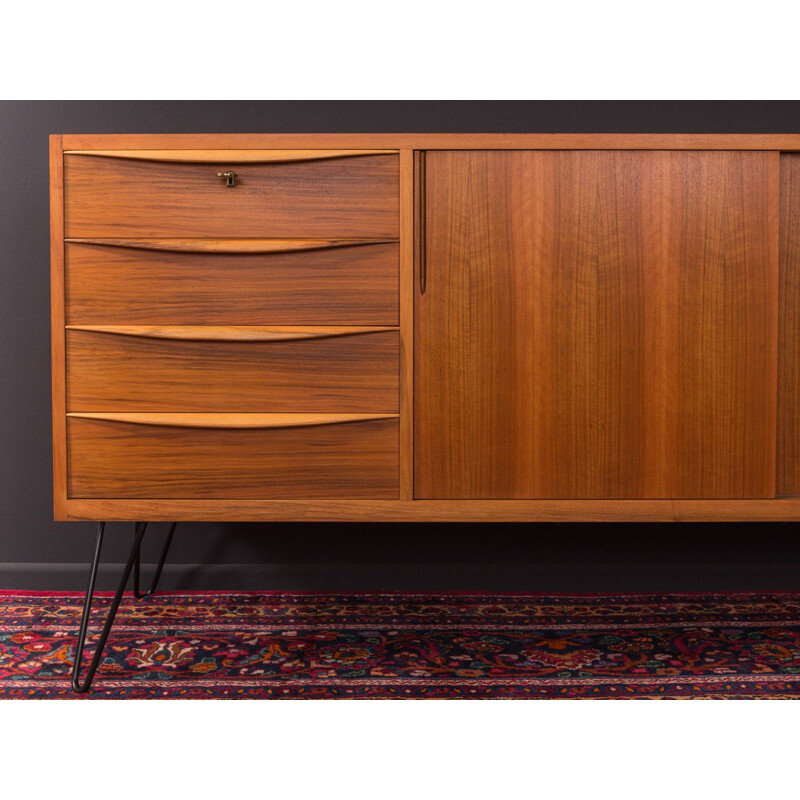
(597, 324)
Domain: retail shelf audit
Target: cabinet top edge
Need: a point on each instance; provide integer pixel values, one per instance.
(436, 141)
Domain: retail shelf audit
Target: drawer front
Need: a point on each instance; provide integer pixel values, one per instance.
(232, 369)
(355, 196)
(331, 285)
(195, 457)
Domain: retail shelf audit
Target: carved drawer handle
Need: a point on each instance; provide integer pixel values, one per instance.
(229, 421)
(420, 233)
(235, 333)
(231, 245)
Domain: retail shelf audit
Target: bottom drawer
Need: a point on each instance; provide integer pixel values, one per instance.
(245, 456)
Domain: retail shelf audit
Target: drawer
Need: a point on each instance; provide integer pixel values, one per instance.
(205, 368)
(229, 284)
(245, 456)
(164, 195)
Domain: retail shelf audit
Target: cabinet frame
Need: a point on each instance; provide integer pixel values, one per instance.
(405, 508)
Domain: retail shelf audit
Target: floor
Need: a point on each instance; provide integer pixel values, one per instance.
(312, 645)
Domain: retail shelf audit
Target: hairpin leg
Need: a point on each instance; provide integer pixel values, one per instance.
(132, 565)
(83, 686)
(159, 568)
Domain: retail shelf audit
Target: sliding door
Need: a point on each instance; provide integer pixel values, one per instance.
(597, 324)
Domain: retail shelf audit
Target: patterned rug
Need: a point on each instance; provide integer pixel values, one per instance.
(243, 645)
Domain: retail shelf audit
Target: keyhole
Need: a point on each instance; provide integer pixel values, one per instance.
(230, 177)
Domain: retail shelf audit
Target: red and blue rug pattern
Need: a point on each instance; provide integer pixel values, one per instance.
(454, 646)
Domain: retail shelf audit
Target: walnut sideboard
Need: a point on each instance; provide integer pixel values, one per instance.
(427, 327)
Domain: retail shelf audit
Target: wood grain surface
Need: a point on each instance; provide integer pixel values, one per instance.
(230, 245)
(230, 156)
(115, 459)
(406, 298)
(337, 198)
(113, 372)
(788, 457)
(446, 511)
(598, 325)
(436, 141)
(648, 369)
(339, 286)
(243, 421)
(234, 333)
(57, 338)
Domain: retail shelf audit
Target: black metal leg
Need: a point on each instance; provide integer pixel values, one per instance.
(138, 560)
(132, 565)
(157, 576)
(82, 686)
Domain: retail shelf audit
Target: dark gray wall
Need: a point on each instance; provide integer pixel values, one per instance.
(37, 553)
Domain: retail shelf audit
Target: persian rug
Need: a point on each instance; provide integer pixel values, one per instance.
(247, 645)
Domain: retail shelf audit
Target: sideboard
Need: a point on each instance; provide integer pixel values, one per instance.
(424, 327)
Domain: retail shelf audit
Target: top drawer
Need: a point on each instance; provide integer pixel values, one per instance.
(276, 194)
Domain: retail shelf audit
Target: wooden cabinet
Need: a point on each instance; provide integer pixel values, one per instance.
(426, 327)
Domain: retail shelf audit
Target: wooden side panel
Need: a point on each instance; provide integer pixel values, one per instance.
(788, 461)
(598, 325)
(129, 197)
(110, 459)
(338, 286)
(109, 372)
(57, 315)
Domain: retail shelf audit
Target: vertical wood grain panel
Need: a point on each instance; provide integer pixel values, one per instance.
(788, 457)
(598, 325)
(724, 210)
(57, 312)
